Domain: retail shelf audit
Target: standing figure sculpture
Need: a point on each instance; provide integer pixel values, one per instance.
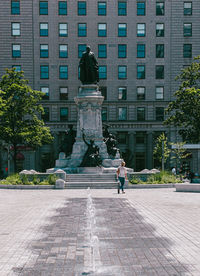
(91, 157)
(89, 73)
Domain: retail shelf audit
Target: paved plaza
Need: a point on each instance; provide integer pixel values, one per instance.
(99, 232)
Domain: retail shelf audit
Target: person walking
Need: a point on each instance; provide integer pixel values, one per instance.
(122, 175)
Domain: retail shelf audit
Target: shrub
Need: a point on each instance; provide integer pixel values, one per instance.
(163, 177)
(13, 179)
(51, 179)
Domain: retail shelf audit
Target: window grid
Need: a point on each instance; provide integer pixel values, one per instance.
(43, 5)
(160, 32)
(104, 114)
(140, 71)
(122, 113)
(102, 29)
(141, 8)
(16, 29)
(141, 93)
(159, 113)
(122, 51)
(63, 72)
(122, 29)
(122, 92)
(15, 7)
(44, 50)
(102, 51)
(141, 29)
(122, 72)
(62, 7)
(159, 71)
(45, 90)
(63, 93)
(140, 50)
(81, 49)
(102, 72)
(63, 29)
(81, 7)
(63, 50)
(159, 93)
(101, 8)
(82, 29)
(159, 50)
(44, 71)
(16, 50)
(122, 8)
(187, 29)
(63, 114)
(187, 50)
(160, 8)
(43, 29)
(187, 8)
(140, 113)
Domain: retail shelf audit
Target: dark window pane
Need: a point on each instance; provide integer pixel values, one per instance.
(140, 93)
(63, 72)
(159, 50)
(159, 113)
(122, 72)
(140, 8)
(43, 7)
(15, 7)
(122, 93)
(140, 113)
(102, 29)
(44, 71)
(122, 29)
(62, 8)
(81, 49)
(122, 113)
(187, 29)
(63, 93)
(159, 71)
(141, 71)
(187, 8)
(122, 8)
(187, 50)
(102, 51)
(43, 29)
(101, 8)
(103, 90)
(45, 90)
(104, 114)
(82, 29)
(63, 114)
(46, 116)
(81, 8)
(140, 50)
(160, 29)
(44, 52)
(160, 8)
(102, 72)
(141, 29)
(122, 51)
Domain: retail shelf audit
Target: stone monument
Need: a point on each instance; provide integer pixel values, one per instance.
(89, 124)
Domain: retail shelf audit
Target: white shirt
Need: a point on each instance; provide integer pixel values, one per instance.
(122, 171)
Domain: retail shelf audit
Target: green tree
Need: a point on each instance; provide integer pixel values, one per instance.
(161, 149)
(179, 152)
(20, 111)
(184, 111)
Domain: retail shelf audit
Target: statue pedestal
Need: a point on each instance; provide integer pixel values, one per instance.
(89, 102)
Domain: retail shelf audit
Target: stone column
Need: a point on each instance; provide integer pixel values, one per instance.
(149, 150)
(131, 147)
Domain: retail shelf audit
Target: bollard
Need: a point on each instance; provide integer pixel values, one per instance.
(60, 184)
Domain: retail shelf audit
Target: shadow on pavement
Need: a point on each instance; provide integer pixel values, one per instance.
(126, 244)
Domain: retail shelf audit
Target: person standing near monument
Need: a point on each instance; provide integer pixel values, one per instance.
(88, 64)
(122, 175)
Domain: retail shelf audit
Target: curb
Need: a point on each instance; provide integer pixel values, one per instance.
(27, 187)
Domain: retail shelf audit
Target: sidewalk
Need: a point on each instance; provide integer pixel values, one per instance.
(68, 232)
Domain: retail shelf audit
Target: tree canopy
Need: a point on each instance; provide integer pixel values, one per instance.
(184, 111)
(20, 112)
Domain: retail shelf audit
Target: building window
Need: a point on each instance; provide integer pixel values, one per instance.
(104, 114)
(160, 8)
(122, 113)
(81, 7)
(17, 68)
(43, 29)
(63, 51)
(63, 72)
(63, 93)
(187, 29)
(122, 29)
(141, 8)
(102, 51)
(45, 116)
(141, 93)
(122, 7)
(140, 50)
(159, 71)
(187, 8)
(140, 137)
(141, 29)
(43, 7)
(44, 50)
(159, 93)
(62, 7)
(15, 7)
(140, 71)
(122, 49)
(103, 90)
(102, 72)
(159, 50)
(63, 114)
(16, 29)
(44, 71)
(122, 91)
(122, 72)
(140, 114)
(81, 49)
(101, 8)
(16, 51)
(160, 29)
(82, 29)
(187, 50)
(63, 29)
(45, 90)
(159, 113)
(102, 30)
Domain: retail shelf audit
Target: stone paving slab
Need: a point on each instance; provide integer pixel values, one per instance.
(99, 232)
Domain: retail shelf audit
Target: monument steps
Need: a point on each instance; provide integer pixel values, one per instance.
(96, 181)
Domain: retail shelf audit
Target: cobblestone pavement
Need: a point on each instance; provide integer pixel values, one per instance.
(98, 232)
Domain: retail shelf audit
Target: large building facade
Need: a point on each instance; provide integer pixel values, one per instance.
(140, 45)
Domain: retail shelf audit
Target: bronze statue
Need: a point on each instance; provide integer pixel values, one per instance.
(68, 141)
(110, 141)
(91, 157)
(89, 73)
